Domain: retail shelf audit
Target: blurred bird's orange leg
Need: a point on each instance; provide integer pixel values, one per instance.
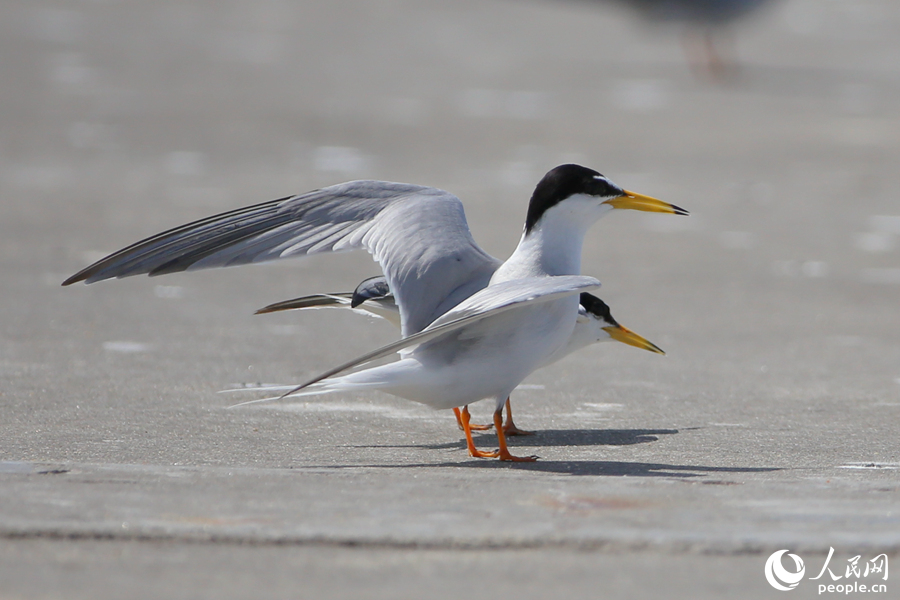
(719, 67)
(473, 451)
(509, 428)
(503, 453)
(472, 426)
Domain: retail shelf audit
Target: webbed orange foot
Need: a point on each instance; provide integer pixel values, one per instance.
(472, 426)
(503, 452)
(476, 453)
(509, 428)
(464, 416)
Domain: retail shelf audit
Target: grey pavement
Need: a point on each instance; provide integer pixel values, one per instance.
(772, 423)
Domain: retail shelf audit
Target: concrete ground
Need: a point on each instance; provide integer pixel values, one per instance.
(771, 424)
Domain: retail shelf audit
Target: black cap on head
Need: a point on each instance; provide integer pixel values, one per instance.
(565, 181)
(595, 306)
(373, 287)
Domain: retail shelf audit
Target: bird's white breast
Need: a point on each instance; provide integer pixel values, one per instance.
(485, 360)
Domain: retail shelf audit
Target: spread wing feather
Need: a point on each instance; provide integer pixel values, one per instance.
(419, 235)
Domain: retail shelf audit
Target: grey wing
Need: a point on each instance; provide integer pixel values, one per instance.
(418, 234)
(480, 307)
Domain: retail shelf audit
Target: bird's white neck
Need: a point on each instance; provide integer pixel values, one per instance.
(553, 245)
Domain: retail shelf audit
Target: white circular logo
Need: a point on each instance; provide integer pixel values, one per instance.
(777, 575)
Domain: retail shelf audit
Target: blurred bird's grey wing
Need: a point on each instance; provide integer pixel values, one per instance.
(478, 308)
(418, 234)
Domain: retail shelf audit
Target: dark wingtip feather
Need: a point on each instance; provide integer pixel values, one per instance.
(118, 264)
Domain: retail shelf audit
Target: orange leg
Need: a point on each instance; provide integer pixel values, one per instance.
(472, 426)
(503, 453)
(473, 451)
(509, 428)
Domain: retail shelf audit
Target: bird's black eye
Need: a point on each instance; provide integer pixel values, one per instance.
(601, 186)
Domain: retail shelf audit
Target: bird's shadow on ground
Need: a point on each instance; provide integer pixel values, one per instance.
(608, 468)
(576, 437)
(553, 437)
(591, 468)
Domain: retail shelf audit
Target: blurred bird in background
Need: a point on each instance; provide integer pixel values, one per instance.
(708, 27)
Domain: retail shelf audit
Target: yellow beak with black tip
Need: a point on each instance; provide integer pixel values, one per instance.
(646, 203)
(626, 336)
